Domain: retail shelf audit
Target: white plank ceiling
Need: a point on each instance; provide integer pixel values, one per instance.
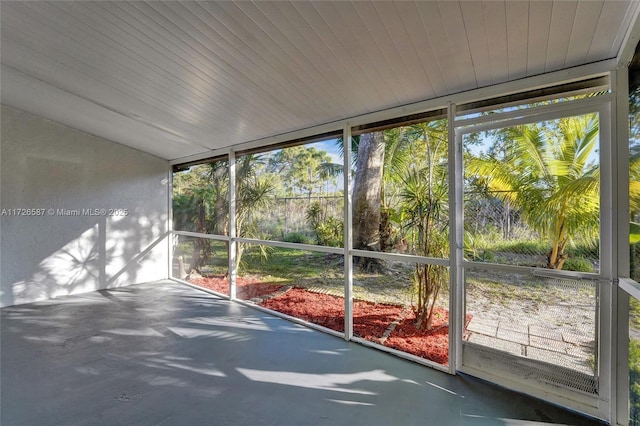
(181, 78)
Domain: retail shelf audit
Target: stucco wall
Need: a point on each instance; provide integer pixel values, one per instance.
(104, 217)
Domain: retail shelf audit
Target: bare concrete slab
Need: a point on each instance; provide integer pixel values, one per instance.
(166, 354)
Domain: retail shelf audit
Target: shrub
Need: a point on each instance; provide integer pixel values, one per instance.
(298, 237)
(329, 230)
(578, 264)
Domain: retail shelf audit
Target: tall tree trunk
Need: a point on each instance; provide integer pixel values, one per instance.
(221, 202)
(366, 197)
(200, 252)
(386, 243)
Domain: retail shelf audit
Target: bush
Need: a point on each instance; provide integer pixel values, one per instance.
(578, 264)
(328, 230)
(298, 237)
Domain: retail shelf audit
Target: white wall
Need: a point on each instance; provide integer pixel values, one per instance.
(45, 165)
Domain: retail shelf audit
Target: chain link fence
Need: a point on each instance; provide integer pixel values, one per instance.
(497, 232)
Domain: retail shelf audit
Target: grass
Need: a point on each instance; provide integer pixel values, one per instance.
(527, 252)
(314, 269)
(505, 287)
(218, 262)
(284, 262)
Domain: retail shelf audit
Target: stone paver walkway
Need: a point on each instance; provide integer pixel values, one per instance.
(560, 347)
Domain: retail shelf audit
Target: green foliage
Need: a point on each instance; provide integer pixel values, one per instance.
(302, 169)
(421, 175)
(288, 264)
(298, 237)
(201, 201)
(546, 171)
(329, 231)
(634, 233)
(578, 264)
(522, 246)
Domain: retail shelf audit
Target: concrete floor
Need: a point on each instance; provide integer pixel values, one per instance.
(166, 354)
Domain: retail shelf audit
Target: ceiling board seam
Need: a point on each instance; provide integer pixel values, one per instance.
(469, 43)
(371, 66)
(301, 85)
(410, 59)
(295, 86)
(171, 76)
(540, 15)
(331, 33)
(424, 75)
(406, 88)
(170, 58)
(341, 45)
(163, 129)
(437, 63)
(74, 64)
(446, 74)
(339, 100)
(450, 47)
(345, 66)
(548, 43)
(573, 29)
(493, 52)
(560, 29)
(222, 70)
(273, 82)
(577, 41)
(463, 56)
(227, 84)
(253, 82)
(592, 39)
(320, 76)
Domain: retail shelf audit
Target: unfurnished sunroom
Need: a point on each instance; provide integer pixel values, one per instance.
(453, 183)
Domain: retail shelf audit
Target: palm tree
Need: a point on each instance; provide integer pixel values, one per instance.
(253, 192)
(424, 203)
(195, 192)
(549, 173)
(201, 202)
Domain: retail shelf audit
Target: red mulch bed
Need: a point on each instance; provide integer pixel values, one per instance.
(322, 309)
(433, 345)
(246, 287)
(370, 320)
